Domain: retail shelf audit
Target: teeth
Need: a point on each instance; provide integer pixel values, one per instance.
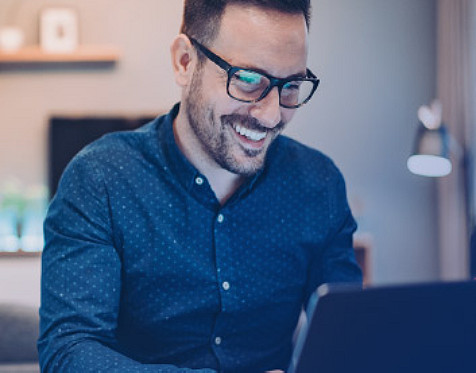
(252, 135)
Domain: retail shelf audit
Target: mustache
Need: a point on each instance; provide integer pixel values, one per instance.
(250, 123)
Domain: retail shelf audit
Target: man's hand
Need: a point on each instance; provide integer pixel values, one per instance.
(275, 371)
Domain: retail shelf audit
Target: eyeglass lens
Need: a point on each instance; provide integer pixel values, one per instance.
(249, 85)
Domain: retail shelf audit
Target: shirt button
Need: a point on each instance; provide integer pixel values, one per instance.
(218, 341)
(220, 218)
(199, 181)
(226, 285)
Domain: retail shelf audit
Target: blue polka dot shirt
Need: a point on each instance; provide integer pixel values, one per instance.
(144, 271)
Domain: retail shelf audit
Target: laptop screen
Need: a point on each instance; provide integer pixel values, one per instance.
(407, 328)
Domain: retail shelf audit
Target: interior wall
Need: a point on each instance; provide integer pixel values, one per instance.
(472, 187)
(376, 61)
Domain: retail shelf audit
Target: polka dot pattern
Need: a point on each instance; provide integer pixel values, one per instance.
(144, 270)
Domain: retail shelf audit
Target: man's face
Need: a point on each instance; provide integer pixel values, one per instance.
(236, 135)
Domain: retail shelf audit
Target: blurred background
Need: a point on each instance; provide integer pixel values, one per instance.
(378, 61)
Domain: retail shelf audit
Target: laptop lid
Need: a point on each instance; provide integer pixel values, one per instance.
(406, 328)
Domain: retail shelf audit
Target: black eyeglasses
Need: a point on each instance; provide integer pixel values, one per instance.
(251, 86)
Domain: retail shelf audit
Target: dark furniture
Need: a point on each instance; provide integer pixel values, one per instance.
(19, 326)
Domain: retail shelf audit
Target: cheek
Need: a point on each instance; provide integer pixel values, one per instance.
(287, 115)
(225, 105)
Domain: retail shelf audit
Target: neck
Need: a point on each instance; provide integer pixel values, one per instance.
(223, 182)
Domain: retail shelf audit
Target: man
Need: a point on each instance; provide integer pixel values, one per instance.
(194, 242)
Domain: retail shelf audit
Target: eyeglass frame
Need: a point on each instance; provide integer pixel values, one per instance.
(274, 82)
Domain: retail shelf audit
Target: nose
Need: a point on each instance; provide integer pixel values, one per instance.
(267, 111)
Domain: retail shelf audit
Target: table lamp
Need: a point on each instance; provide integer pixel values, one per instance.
(430, 155)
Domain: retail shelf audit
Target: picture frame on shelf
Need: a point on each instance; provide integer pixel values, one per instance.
(59, 30)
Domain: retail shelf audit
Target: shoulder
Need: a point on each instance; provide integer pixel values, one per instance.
(114, 154)
(111, 146)
(122, 150)
(294, 159)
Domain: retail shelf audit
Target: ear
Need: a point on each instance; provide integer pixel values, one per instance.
(184, 59)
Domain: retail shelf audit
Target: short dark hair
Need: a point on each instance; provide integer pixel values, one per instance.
(202, 18)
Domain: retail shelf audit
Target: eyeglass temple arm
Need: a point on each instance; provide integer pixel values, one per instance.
(212, 56)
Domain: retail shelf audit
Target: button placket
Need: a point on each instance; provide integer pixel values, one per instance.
(222, 245)
(225, 285)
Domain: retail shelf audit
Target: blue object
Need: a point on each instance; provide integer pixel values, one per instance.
(409, 328)
(144, 270)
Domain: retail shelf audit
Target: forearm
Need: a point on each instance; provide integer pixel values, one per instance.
(92, 356)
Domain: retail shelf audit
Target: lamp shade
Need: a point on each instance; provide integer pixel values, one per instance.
(431, 152)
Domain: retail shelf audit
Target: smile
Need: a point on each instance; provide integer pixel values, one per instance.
(249, 134)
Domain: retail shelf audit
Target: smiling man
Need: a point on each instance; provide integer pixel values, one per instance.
(193, 243)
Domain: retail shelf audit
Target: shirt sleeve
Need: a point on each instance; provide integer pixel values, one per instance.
(81, 281)
(335, 261)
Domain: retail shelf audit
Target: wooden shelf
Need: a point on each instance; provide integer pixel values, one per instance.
(19, 254)
(35, 54)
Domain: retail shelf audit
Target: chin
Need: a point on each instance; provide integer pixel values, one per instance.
(246, 167)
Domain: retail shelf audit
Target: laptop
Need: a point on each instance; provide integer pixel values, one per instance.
(405, 328)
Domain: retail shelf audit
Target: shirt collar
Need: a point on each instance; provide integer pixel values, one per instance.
(178, 164)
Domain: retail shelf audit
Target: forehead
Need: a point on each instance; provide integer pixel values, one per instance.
(274, 41)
